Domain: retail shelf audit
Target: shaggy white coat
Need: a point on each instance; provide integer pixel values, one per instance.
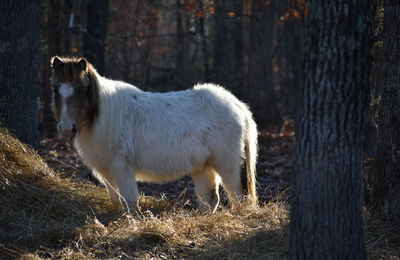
(160, 137)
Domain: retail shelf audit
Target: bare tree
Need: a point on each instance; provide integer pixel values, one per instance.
(238, 51)
(179, 37)
(97, 17)
(260, 76)
(220, 59)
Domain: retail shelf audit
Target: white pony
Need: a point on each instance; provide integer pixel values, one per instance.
(126, 135)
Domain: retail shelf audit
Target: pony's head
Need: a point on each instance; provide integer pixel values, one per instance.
(75, 94)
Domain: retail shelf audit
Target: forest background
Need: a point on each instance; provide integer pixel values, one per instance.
(254, 48)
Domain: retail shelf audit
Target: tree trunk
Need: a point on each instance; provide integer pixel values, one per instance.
(220, 62)
(386, 186)
(291, 57)
(180, 74)
(179, 36)
(69, 18)
(19, 38)
(97, 16)
(204, 48)
(58, 18)
(55, 46)
(326, 204)
(260, 77)
(238, 71)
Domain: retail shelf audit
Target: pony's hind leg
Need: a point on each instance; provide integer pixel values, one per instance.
(232, 181)
(125, 180)
(206, 182)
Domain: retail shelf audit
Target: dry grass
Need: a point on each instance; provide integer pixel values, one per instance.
(45, 216)
(37, 207)
(382, 238)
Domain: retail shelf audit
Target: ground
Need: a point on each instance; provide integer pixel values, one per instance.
(48, 215)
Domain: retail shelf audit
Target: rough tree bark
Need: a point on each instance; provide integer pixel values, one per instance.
(386, 186)
(19, 51)
(95, 38)
(326, 204)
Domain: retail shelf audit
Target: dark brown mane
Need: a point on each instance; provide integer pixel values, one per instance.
(94, 93)
(79, 73)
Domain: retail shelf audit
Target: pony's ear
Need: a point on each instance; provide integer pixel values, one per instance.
(83, 64)
(55, 61)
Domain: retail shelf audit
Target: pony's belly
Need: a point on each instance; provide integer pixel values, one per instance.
(143, 176)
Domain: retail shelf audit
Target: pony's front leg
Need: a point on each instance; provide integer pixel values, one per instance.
(109, 181)
(125, 179)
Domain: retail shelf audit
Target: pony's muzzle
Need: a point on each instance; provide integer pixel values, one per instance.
(67, 132)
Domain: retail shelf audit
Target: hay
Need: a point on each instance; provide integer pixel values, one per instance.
(382, 237)
(38, 207)
(45, 216)
(251, 232)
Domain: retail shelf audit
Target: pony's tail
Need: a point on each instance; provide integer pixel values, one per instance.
(251, 147)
